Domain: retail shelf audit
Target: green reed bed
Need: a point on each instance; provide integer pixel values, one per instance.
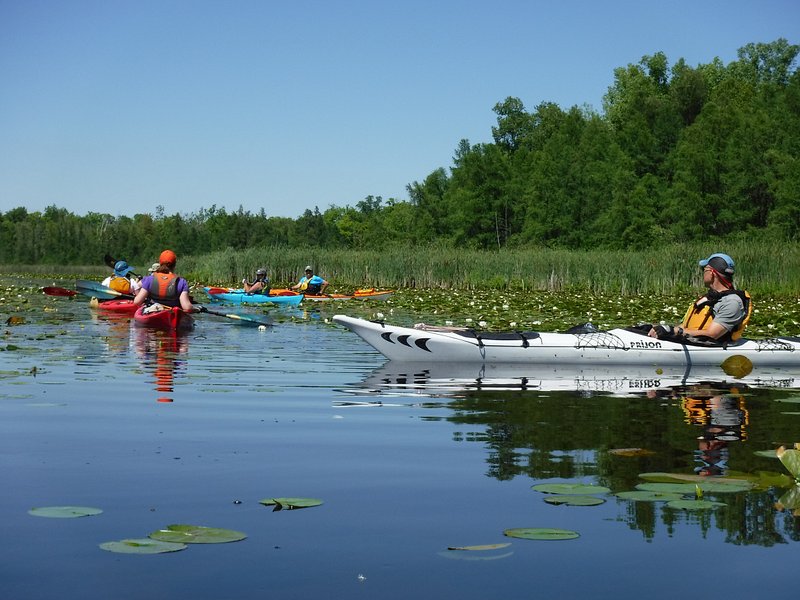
(761, 268)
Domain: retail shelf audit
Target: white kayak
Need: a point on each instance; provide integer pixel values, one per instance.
(427, 344)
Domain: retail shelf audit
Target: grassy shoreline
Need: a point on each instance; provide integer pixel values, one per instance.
(762, 268)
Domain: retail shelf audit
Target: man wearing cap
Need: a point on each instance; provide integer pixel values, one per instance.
(311, 284)
(717, 317)
(259, 286)
(121, 280)
(164, 286)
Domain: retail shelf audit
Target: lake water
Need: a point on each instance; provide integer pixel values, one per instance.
(196, 429)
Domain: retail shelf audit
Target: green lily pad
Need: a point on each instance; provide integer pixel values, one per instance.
(792, 400)
(290, 503)
(479, 548)
(790, 500)
(574, 500)
(766, 453)
(64, 512)
(737, 366)
(645, 496)
(694, 504)
(142, 546)
(791, 460)
(716, 486)
(736, 484)
(541, 533)
(574, 489)
(197, 534)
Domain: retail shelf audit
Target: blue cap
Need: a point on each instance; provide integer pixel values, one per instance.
(721, 263)
(121, 269)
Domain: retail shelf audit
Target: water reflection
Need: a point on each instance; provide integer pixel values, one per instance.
(607, 426)
(163, 355)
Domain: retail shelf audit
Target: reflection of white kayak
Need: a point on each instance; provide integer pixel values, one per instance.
(443, 378)
(426, 344)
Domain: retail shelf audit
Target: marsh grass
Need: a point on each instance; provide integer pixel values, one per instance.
(761, 268)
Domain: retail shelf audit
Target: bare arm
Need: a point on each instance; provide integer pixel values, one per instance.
(186, 303)
(141, 296)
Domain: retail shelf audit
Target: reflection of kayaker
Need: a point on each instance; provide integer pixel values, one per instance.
(162, 354)
(723, 416)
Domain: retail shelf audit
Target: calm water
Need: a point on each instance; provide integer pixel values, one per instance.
(197, 429)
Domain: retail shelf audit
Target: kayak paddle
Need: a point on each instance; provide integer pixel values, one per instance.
(92, 288)
(249, 319)
(58, 291)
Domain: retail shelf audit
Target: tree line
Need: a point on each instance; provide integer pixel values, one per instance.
(678, 154)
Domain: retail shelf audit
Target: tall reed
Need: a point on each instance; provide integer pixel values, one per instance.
(762, 267)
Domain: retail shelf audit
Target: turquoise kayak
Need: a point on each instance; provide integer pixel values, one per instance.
(239, 297)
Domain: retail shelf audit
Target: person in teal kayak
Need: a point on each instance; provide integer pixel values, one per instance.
(259, 286)
(164, 287)
(720, 315)
(310, 283)
(122, 279)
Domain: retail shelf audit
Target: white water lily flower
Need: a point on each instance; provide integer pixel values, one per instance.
(505, 306)
(537, 322)
(448, 323)
(468, 320)
(482, 323)
(512, 324)
(379, 315)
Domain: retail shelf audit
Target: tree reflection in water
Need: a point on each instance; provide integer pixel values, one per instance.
(547, 431)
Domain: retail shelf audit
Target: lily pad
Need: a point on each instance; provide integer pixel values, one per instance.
(790, 500)
(736, 484)
(791, 460)
(737, 366)
(290, 503)
(482, 547)
(629, 452)
(64, 512)
(574, 489)
(717, 486)
(766, 453)
(142, 546)
(574, 500)
(645, 496)
(541, 533)
(694, 504)
(197, 534)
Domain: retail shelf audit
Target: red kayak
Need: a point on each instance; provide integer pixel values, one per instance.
(171, 318)
(117, 306)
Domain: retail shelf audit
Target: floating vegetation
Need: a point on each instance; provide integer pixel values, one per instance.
(64, 512)
(142, 546)
(630, 452)
(574, 489)
(574, 500)
(197, 534)
(791, 460)
(646, 496)
(717, 487)
(541, 533)
(694, 504)
(480, 548)
(290, 503)
(737, 366)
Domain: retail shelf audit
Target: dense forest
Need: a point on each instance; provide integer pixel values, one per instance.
(678, 154)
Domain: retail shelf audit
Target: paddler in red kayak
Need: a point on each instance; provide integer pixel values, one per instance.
(164, 286)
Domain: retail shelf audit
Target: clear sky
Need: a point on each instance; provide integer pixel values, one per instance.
(122, 106)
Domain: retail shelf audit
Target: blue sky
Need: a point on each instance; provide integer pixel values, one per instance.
(120, 107)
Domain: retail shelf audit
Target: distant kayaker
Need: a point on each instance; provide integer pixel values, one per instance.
(717, 317)
(153, 268)
(121, 279)
(311, 284)
(259, 286)
(164, 286)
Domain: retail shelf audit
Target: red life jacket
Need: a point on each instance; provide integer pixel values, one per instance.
(164, 289)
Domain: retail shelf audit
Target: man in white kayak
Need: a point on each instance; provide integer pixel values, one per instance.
(720, 315)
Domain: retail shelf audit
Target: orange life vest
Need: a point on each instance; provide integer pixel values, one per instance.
(164, 289)
(699, 315)
(120, 284)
